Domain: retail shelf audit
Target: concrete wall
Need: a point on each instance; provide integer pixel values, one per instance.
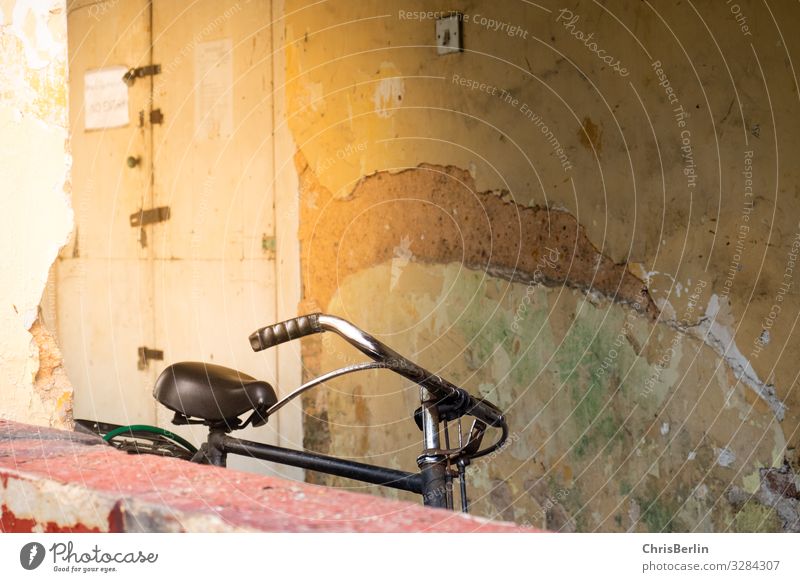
(58, 481)
(35, 205)
(589, 216)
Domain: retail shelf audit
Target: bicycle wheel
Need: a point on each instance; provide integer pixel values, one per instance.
(140, 439)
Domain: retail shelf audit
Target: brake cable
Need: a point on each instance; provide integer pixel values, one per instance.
(372, 366)
(321, 379)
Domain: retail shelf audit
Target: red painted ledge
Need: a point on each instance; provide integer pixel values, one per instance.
(59, 481)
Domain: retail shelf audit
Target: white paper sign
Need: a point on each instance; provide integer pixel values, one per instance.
(213, 89)
(105, 98)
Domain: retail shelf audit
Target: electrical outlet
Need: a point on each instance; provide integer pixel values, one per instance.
(448, 34)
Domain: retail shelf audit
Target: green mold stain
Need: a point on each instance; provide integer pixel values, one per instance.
(754, 517)
(657, 516)
(489, 327)
(580, 361)
(752, 482)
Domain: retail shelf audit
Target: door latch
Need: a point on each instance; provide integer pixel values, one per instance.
(138, 72)
(156, 117)
(147, 354)
(150, 216)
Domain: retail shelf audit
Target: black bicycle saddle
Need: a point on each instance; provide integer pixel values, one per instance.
(212, 393)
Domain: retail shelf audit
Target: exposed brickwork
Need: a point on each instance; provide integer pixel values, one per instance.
(448, 220)
(51, 382)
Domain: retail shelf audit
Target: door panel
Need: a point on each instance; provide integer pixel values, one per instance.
(105, 190)
(196, 285)
(105, 312)
(214, 260)
(104, 276)
(215, 175)
(221, 303)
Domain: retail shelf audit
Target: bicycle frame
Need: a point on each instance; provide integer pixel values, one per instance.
(432, 481)
(220, 444)
(440, 401)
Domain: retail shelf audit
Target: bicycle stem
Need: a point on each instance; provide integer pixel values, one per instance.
(433, 468)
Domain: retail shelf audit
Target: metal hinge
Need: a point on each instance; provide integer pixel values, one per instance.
(139, 72)
(150, 216)
(147, 354)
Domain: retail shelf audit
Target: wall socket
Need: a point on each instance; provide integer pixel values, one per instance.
(448, 34)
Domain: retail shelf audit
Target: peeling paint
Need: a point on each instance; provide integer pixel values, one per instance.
(443, 204)
(678, 367)
(720, 337)
(389, 91)
(725, 457)
(563, 411)
(31, 24)
(36, 207)
(43, 502)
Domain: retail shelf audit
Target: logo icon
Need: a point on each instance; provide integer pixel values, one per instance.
(31, 555)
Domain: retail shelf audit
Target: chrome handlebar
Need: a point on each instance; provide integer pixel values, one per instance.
(440, 388)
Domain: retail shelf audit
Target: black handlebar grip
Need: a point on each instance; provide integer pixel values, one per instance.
(285, 331)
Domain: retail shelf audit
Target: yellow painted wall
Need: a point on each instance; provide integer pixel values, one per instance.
(34, 205)
(668, 131)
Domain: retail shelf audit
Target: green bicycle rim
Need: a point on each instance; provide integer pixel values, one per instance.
(154, 429)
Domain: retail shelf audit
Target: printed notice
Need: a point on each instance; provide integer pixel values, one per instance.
(105, 98)
(213, 89)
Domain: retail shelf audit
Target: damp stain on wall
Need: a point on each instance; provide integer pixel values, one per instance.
(594, 302)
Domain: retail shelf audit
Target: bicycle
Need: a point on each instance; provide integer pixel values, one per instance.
(217, 397)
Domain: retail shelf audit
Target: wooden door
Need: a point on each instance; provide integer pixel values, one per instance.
(196, 282)
(105, 275)
(215, 257)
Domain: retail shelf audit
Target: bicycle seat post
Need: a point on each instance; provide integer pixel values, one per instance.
(215, 452)
(433, 467)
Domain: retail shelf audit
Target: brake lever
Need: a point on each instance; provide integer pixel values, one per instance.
(473, 445)
(474, 440)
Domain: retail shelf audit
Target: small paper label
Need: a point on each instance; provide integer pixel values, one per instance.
(213, 89)
(105, 98)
